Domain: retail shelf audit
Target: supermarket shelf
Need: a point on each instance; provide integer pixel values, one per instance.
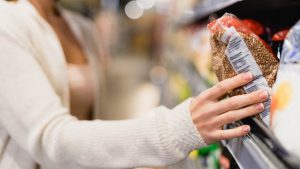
(259, 149)
(247, 154)
(203, 9)
(273, 12)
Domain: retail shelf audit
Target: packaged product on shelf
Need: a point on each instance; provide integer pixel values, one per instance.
(285, 109)
(291, 46)
(264, 32)
(255, 26)
(277, 41)
(236, 49)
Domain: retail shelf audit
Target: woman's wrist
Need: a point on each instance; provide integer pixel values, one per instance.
(178, 132)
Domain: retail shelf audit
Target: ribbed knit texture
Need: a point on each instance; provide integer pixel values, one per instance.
(184, 135)
(35, 122)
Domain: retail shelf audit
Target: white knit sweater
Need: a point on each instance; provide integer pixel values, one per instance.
(35, 123)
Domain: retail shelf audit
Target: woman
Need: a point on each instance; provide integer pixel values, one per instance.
(39, 44)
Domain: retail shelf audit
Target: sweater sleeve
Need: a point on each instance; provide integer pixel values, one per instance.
(33, 115)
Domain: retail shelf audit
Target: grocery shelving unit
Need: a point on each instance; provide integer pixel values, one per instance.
(274, 12)
(259, 149)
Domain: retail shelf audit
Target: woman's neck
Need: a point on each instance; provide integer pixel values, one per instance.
(46, 8)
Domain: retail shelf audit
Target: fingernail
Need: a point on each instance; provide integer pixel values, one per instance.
(260, 107)
(263, 95)
(248, 76)
(246, 129)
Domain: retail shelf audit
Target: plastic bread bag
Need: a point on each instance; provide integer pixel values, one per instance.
(236, 49)
(285, 109)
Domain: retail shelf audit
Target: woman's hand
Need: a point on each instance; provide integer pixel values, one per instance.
(209, 114)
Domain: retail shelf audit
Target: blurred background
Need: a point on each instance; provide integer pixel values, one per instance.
(146, 62)
(157, 52)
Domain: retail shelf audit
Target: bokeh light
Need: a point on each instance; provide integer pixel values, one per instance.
(134, 10)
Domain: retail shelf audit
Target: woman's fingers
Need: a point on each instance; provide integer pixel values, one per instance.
(209, 114)
(241, 101)
(224, 86)
(232, 133)
(239, 114)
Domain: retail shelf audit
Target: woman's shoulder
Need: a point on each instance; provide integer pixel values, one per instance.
(7, 10)
(12, 18)
(16, 25)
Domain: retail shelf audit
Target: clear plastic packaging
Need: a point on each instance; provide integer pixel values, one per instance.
(291, 46)
(236, 49)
